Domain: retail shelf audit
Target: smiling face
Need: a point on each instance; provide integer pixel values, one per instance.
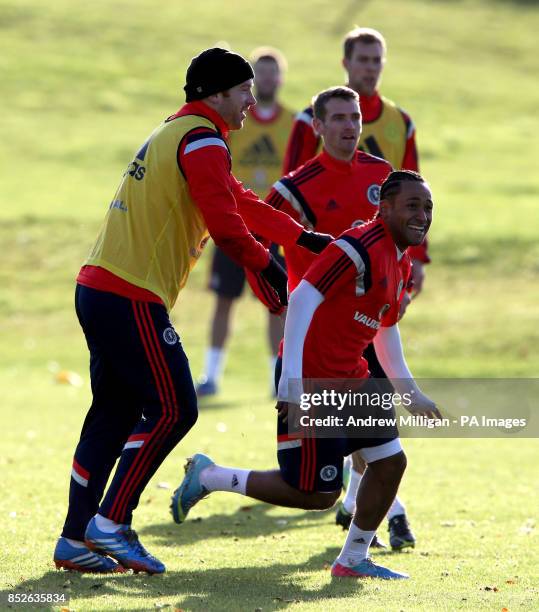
(364, 67)
(340, 128)
(233, 104)
(408, 214)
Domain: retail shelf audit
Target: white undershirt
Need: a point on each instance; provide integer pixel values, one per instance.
(303, 302)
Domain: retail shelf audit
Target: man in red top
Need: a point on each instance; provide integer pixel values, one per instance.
(337, 189)
(178, 188)
(348, 298)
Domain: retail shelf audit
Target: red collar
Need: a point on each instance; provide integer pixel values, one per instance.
(371, 107)
(200, 108)
(337, 165)
(273, 117)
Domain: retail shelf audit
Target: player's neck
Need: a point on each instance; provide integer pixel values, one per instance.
(266, 110)
(370, 106)
(338, 156)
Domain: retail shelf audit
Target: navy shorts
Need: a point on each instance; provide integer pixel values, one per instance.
(316, 464)
(227, 279)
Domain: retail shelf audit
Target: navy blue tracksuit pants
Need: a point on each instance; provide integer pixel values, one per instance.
(144, 402)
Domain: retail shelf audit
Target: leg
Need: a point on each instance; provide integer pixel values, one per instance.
(310, 477)
(386, 465)
(227, 281)
(156, 365)
(275, 322)
(138, 338)
(377, 490)
(113, 414)
(275, 335)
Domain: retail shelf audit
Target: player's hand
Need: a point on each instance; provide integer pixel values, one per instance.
(282, 410)
(406, 299)
(418, 276)
(314, 241)
(423, 406)
(276, 276)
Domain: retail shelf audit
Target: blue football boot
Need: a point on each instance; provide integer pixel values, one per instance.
(124, 546)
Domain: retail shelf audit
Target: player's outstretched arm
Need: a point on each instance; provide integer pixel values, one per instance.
(388, 347)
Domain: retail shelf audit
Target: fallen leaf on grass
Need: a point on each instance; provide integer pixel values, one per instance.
(65, 377)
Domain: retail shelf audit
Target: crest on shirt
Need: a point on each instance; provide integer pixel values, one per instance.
(170, 336)
(328, 472)
(373, 194)
(383, 311)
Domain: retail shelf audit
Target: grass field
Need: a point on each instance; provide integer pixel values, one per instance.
(82, 85)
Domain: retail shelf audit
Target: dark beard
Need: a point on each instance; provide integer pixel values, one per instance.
(265, 100)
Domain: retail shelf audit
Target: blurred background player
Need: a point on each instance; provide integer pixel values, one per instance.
(258, 153)
(388, 132)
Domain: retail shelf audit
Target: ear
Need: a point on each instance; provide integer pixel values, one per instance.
(318, 126)
(345, 63)
(214, 100)
(384, 208)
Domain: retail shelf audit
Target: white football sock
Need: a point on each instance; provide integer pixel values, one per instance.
(106, 525)
(215, 358)
(76, 543)
(356, 546)
(397, 507)
(349, 501)
(217, 478)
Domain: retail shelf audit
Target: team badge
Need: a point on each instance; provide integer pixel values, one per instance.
(328, 472)
(170, 336)
(373, 194)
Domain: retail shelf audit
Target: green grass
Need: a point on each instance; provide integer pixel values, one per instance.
(82, 85)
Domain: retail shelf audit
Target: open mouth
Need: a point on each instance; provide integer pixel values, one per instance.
(418, 229)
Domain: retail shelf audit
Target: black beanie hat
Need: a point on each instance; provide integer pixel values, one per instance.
(215, 70)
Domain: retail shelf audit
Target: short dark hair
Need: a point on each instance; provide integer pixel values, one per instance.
(392, 184)
(321, 99)
(269, 54)
(368, 36)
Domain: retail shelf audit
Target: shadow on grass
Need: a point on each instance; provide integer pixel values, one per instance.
(250, 521)
(276, 587)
